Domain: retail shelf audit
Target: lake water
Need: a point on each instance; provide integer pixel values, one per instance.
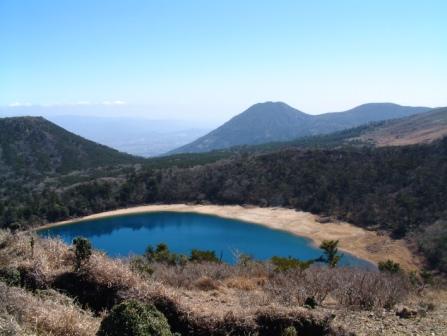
(131, 234)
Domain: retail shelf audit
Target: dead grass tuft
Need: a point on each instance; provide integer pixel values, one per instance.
(49, 314)
(206, 284)
(114, 273)
(245, 283)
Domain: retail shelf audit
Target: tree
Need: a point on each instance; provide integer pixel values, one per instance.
(330, 250)
(83, 251)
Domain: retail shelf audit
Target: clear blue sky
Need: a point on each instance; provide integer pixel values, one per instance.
(216, 58)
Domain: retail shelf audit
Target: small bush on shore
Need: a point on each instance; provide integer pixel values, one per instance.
(389, 266)
(162, 254)
(203, 256)
(284, 264)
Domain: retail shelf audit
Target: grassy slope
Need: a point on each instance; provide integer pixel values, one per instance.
(420, 128)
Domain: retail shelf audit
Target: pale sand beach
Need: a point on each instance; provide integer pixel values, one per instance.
(362, 243)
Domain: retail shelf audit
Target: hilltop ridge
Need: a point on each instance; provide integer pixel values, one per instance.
(34, 145)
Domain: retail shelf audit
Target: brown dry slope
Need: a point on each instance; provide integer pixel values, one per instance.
(420, 128)
(208, 298)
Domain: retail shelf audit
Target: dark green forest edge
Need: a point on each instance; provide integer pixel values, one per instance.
(400, 190)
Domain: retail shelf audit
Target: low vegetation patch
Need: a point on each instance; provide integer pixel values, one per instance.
(133, 318)
(284, 264)
(389, 266)
(203, 256)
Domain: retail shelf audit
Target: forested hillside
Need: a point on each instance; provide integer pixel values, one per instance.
(398, 189)
(35, 146)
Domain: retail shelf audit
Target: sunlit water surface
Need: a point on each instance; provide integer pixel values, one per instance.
(131, 234)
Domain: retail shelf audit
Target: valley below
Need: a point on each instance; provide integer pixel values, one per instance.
(343, 200)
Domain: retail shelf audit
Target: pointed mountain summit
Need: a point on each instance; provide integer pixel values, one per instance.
(263, 122)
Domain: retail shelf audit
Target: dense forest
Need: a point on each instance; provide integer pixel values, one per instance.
(33, 146)
(401, 190)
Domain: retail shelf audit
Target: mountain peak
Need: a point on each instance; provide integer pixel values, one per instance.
(271, 106)
(276, 121)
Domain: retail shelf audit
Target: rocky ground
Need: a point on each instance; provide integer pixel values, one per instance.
(422, 319)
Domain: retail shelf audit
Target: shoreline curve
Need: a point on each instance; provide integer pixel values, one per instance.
(362, 243)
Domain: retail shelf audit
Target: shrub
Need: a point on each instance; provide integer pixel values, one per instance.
(244, 259)
(427, 277)
(141, 266)
(133, 318)
(330, 250)
(433, 243)
(283, 264)
(203, 256)
(83, 250)
(389, 266)
(10, 276)
(310, 302)
(369, 290)
(289, 331)
(163, 255)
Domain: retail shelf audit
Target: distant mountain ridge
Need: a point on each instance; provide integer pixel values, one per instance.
(36, 146)
(277, 121)
(421, 128)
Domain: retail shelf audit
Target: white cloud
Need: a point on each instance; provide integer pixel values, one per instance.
(79, 103)
(114, 102)
(19, 104)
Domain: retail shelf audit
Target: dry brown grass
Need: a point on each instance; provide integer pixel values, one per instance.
(48, 314)
(50, 256)
(111, 272)
(193, 296)
(206, 284)
(349, 287)
(246, 283)
(10, 327)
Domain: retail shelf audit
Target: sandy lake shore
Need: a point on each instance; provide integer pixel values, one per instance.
(357, 241)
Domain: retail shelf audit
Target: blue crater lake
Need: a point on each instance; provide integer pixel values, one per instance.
(122, 236)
